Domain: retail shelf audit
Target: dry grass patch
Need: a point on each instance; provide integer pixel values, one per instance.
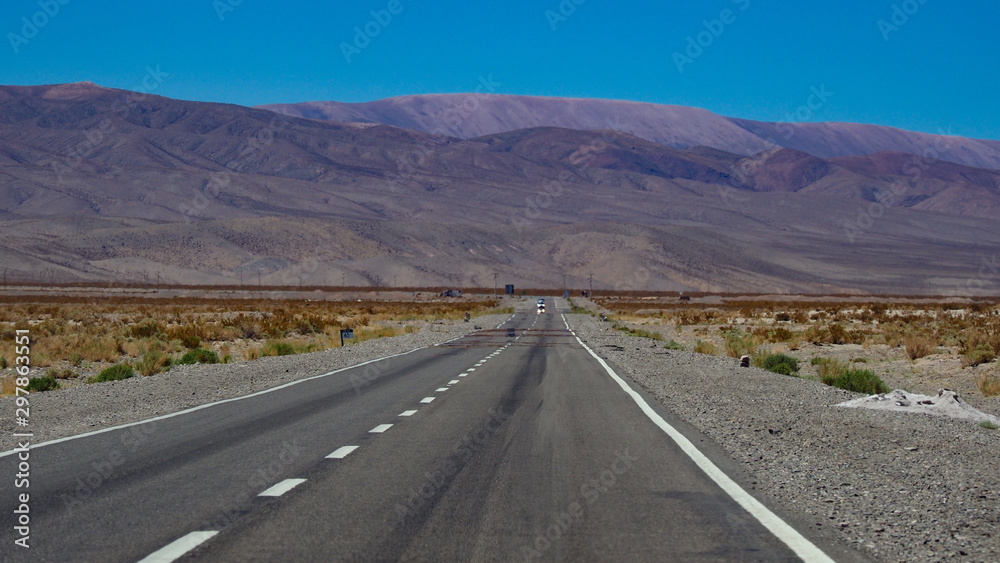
(704, 347)
(989, 384)
(918, 346)
(151, 334)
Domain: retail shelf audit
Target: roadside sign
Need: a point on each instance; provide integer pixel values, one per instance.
(345, 333)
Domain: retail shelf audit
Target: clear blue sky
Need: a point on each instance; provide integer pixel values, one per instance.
(938, 71)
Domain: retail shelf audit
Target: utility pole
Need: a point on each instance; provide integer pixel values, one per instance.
(591, 294)
(258, 278)
(494, 285)
(564, 284)
(343, 279)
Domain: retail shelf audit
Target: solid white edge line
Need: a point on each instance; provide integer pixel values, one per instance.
(281, 488)
(177, 548)
(380, 429)
(408, 413)
(781, 529)
(341, 452)
(207, 405)
(426, 400)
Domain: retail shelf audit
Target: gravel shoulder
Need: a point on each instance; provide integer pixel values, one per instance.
(895, 486)
(85, 408)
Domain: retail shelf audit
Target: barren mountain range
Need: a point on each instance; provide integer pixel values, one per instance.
(467, 116)
(101, 184)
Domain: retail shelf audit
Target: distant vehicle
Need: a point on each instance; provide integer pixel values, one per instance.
(541, 301)
(541, 307)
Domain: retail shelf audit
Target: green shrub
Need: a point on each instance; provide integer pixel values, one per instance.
(39, 384)
(3, 362)
(153, 362)
(781, 363)
(979, 355)
(861, 381)
(673, 345)
(739, 343)
(199, 356)
(273, 348)
(989, 425)
(114, 373)
(75, 359)
(189, 335)
(829, 369)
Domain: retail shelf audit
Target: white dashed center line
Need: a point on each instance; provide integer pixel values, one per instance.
(282, 488)
(440, 389)
(177, 548)
(452, 382)
(426, 400)
(341, 452)
(407, 413)
(380, 429)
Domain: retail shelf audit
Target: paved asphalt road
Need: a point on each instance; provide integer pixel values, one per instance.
(513, 443)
